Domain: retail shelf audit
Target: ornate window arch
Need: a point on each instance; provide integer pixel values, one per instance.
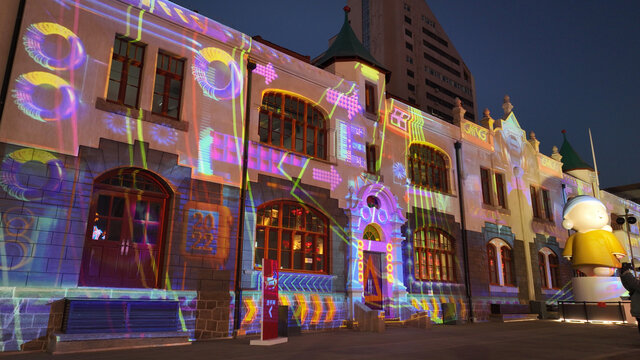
(548, 266)
(126, 226)
(428, 167)
(371, 233)
(500, 261)
(294, 234)
(434, 255)
(293, 123)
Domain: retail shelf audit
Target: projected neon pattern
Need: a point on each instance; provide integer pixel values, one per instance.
(332, 177)
(390, 263)
(11, 167)
(399, 118)
(119, 124)
(206, 232)
(350, 142)
(267, 72)
(351, 103)
(164, 135)
(15, 242)
(205, 74)
(27, 84)
(34, 44)
(360, 261)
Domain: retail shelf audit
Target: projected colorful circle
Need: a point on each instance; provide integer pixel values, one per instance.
(35, 42)
(12, 164)
(16, 244)
(217, 73)
(44, 96)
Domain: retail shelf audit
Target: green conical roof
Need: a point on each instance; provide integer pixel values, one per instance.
(570, 158)
(346, 46)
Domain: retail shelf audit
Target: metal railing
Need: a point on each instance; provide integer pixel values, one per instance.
(593, 310)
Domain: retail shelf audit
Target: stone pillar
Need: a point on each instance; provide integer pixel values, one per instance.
(354, 260)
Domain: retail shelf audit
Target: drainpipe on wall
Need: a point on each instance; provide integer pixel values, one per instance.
(12, 54)
(243, 190)
(463, 225)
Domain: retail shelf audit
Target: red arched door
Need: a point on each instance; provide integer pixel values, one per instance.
(125, 230)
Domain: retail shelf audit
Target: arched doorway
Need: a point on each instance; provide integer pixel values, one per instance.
(126, 225)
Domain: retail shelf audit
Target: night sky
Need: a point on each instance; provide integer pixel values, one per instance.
(569, 64)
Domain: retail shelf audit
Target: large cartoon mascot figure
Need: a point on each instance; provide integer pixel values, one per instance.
(593, 249)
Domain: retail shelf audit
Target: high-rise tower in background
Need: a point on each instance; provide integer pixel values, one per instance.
(406, 37)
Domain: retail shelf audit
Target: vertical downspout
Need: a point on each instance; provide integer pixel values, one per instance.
(243, 190)
(463, 225)
(12, 54)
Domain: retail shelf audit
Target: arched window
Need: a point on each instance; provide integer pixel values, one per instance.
(434, 258)
(548, 264)
(428, 167)
(501, 271)
(370, 233)
(493, 265)
(293, 124)
(542, 266)
(507, 266)
(293, 234)
(125, 229)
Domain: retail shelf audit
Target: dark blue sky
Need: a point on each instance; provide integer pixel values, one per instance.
(568, 64)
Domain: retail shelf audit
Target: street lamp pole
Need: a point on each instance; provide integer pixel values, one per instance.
(627, 221)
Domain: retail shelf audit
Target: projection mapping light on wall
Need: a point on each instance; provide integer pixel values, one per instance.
(351, 103)
(16, 243)
(12, 164)
(351, 142)
(36, 94)
(332, 176)
(217, 73)
(39, 42)
(267, 72)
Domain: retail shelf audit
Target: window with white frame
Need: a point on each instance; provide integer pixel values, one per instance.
(548, 265)
(500, 261)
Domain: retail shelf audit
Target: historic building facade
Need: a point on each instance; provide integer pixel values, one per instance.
(127, 127)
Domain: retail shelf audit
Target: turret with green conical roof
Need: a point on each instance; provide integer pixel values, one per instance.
(570, 158)
(347, 47)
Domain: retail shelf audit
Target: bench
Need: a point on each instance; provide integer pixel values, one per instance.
(511, 312)
(100, 324)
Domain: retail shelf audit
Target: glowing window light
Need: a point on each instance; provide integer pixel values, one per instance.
(205, 74)
(350, 103)
(332, 177)
(28, 83)
(34, 40)
(267, 72)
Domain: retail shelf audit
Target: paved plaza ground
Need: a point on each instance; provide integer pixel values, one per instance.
(518, 340)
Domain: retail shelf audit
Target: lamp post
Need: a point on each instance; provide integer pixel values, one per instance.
(629, 220)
